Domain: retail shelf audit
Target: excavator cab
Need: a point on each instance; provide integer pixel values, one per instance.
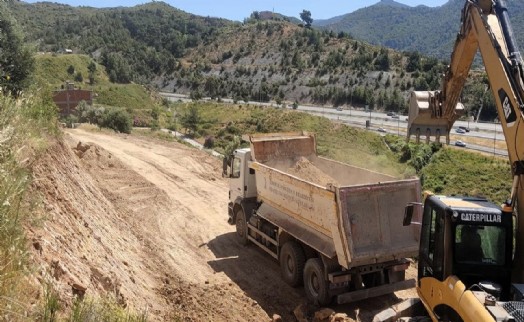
(480, 237)
(427, 118)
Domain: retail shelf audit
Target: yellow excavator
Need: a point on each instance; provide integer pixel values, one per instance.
(471, 258)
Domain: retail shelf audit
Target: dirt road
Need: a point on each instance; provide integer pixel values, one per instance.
(146, 220)
(178, 200)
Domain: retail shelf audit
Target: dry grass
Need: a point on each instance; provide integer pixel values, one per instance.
(23, 125)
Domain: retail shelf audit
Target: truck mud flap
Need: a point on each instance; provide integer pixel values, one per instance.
(375, 291)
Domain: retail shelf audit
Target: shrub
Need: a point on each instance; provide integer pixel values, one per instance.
(139, 122)
(78, 77)
(116, 119)
(209, 143)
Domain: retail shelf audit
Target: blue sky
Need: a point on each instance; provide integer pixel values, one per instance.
(239, 9)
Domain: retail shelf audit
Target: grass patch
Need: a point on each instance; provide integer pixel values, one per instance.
(129, 96)
(52, 72)
(457, 172)
(103, 310)
(85, 310)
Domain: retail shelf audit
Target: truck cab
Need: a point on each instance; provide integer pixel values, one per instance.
(242, 183)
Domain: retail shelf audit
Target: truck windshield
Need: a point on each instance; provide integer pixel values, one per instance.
(480, 244)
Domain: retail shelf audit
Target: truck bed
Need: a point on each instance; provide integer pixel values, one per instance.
(356, 212)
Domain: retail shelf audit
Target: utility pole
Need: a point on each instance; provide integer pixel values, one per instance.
(398, 125)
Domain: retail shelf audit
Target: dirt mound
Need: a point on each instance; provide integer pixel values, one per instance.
(306, 170)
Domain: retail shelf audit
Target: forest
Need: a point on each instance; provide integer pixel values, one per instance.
(263, 58)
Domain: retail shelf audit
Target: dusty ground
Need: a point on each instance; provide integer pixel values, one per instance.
(146, 221)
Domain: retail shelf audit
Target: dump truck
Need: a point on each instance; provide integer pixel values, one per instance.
(334, 228)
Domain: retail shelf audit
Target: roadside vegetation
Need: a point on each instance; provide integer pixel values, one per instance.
(15, 178)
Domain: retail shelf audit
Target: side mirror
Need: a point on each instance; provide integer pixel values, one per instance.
(225, 166)
(408, 214)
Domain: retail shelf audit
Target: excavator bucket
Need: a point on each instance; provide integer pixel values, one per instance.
(427, 118)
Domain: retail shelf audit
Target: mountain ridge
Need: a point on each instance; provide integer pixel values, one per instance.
(429, 30)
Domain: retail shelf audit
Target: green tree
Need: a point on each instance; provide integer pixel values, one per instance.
(78, 77)
(16, 60)
(155, 115)
(232, 146)
(71, 69)
(195, 95)
(191, 119)
(117, 66)
(413, 62)
(305, 15)
(382, 62)
(91, 68)
(81, 111)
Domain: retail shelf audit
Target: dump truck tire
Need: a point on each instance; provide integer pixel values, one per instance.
(241, 226)
(315, 286)
(292, 261)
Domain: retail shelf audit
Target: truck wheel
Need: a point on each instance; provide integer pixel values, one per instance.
(241, 225)
(315, 285)
(292, 260)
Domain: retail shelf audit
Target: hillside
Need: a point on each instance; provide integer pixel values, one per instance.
(179, 52)
(278, 61)
(259, 60)
(428, 30)
(52, 71)
(135, 44)
(265, 61)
